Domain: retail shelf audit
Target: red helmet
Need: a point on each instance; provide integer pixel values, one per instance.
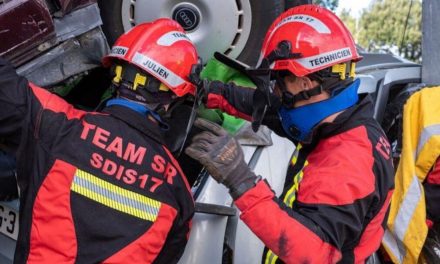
(160, 48)
(313, 37)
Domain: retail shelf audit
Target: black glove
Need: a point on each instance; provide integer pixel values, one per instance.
(222, 156)
(261, 78)
(204, 90)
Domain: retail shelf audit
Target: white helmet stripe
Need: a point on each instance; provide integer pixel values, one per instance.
(172, 37)
(157, 70)
(118, 51)
(325, 59)
(315, 23)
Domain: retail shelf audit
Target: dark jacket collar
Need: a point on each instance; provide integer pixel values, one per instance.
(357, 115)
(136, 120)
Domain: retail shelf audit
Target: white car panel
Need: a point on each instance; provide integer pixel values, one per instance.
(272, 165)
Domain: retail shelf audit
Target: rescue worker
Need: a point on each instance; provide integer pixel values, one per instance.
(415, 212)
(431, 187)
(101, 186)
(432, 192)
(338, 188)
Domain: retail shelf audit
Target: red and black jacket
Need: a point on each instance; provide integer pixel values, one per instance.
(94, 187)
(431, 187)
(342, 201)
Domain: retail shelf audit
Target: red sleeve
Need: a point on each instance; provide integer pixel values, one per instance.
(284, 235)
(232, 99)
(434, 175)
(432, 193)
(335, 201)
(54, 103)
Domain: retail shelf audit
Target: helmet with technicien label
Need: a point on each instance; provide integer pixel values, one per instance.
(306, 39)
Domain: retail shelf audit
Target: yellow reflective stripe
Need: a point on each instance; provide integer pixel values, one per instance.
(290, 196)
(115, 197)
(120, 191)
(290, 192)
(271, 258)
(113, 204)
(266, 260)
(294, 159)
(288, 200)
(295, 154)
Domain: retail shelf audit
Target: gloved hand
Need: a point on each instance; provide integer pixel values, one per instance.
(204, 90)
(207, 87)
(222, 156)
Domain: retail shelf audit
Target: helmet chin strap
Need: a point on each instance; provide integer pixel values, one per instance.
(329, 84)
(300, 123)
(288, 99)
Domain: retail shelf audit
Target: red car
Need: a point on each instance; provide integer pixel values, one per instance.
(51, 41)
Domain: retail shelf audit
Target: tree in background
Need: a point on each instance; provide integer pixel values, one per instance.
(349, 21)
(382, 25)
(330, 4)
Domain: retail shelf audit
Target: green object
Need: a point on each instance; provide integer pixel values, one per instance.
(213, 115)
(217, 71)
(64, 89)
(232, 124)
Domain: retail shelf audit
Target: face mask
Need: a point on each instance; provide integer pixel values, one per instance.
(180, 121)
(299, 123)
